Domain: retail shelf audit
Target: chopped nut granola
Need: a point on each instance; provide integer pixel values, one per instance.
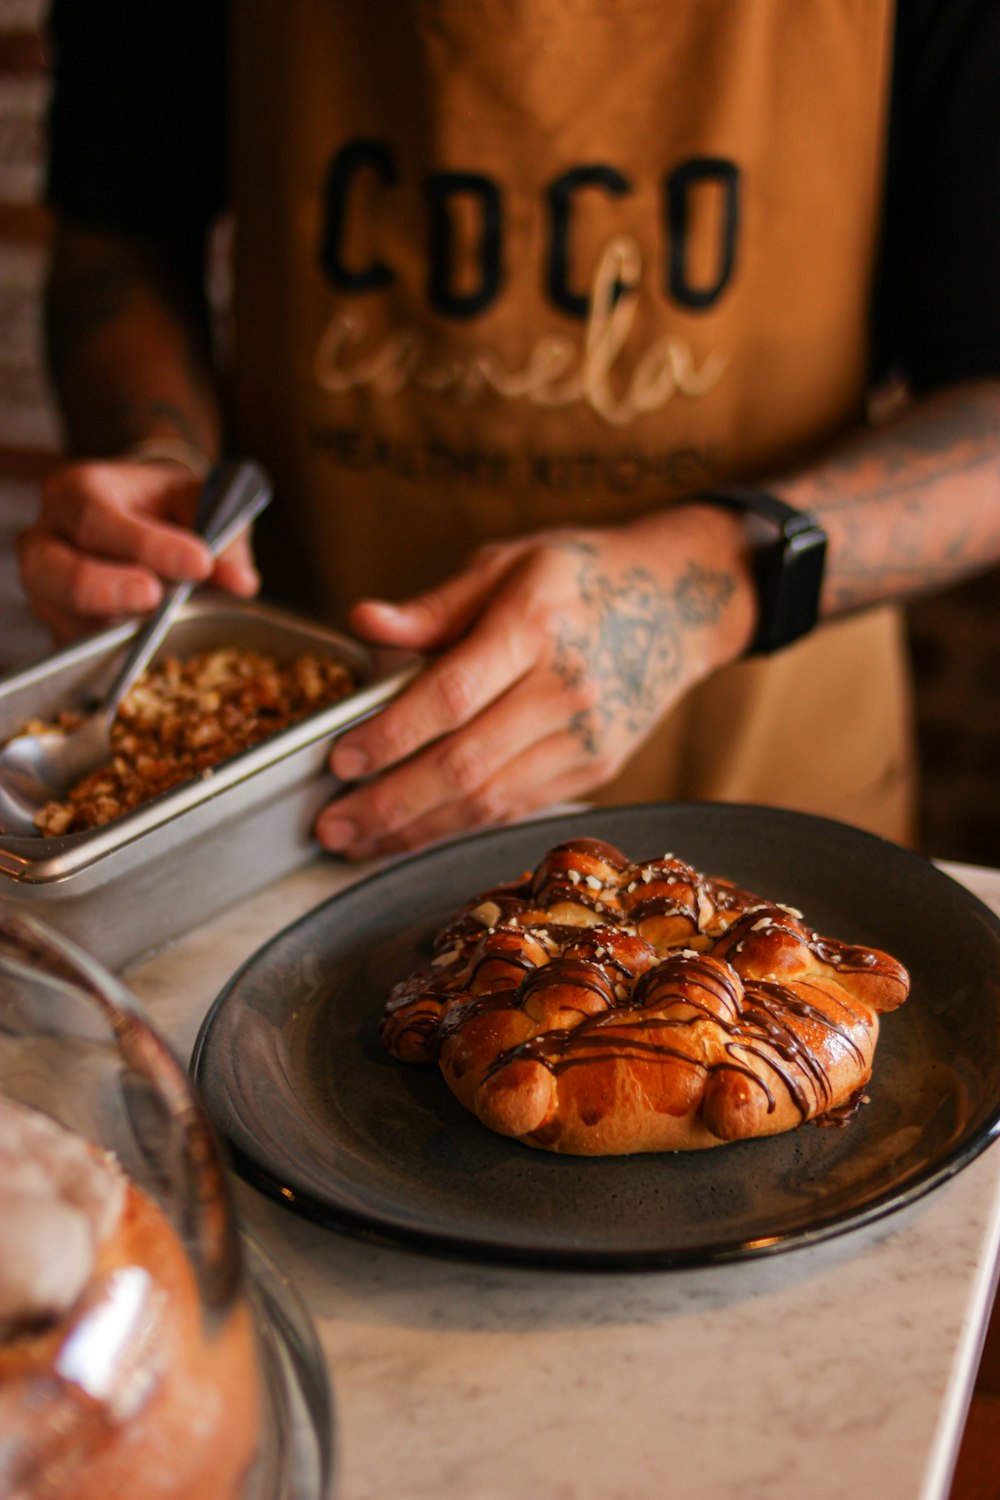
(182, 718)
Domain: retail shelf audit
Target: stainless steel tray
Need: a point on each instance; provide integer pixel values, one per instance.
(133, 884)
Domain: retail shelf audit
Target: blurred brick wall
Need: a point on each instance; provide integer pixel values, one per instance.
(956, 637)
(29, 433)
(28, 429)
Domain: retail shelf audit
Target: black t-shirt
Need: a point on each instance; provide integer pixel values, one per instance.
(138, 130)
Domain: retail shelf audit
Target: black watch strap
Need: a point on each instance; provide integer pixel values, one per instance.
(788, 564)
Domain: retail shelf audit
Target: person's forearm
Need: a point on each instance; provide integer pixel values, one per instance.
(912, 505)
(128, 346)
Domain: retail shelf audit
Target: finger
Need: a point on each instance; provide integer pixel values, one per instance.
(235, 570)
(56, 575)
(543, 775)
(116, 515)
(449, 693)
(455, 767)
(441, 615)
(468, 768)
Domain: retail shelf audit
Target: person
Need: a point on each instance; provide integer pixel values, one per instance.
(517, 293)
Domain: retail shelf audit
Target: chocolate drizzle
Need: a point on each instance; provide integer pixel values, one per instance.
(761, 1029)
(758, 996)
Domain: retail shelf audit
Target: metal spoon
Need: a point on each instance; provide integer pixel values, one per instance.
(40, 768)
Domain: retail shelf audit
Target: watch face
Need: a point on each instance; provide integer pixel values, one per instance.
(789, 587)
(788, 567)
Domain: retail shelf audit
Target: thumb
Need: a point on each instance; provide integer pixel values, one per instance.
(438, 617)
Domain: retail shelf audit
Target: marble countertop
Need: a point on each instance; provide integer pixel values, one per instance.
(830, 1371)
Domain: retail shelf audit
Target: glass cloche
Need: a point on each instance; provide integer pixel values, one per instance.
(146, 1346)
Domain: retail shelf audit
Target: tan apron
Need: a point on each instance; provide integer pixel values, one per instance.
(504, 264)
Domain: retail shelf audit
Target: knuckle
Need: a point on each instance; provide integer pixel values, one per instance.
(463, 764)
(390, 808)
(432, 606)
(485, 805)
(384, 809)
(86, 527)
(605, 764)
(79, 593)
(587, 692)
(75, 500)
(588, 738)
(388, 740)
(455, 693)
(75, 480)
(582, 697)
(384, 812)
(546, 619)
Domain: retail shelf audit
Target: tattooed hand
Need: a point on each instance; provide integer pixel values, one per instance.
(107, 537)
(554, 656)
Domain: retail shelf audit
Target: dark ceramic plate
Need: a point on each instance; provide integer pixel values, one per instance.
(290, 1065)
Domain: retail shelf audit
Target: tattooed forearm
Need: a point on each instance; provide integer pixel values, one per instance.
(633, 649)
(127, 343)
(949, 437)
(913, 505)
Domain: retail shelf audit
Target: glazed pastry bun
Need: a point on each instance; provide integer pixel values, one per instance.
(598, 1006)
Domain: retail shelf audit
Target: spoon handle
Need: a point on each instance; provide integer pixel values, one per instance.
(233, 495)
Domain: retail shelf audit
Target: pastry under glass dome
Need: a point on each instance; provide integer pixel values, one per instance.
(146, 1345)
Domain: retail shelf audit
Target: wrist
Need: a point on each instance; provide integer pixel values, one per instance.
(705, 563)
(724, 544)
(787, 560)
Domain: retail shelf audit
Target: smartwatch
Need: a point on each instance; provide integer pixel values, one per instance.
(789, 551)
